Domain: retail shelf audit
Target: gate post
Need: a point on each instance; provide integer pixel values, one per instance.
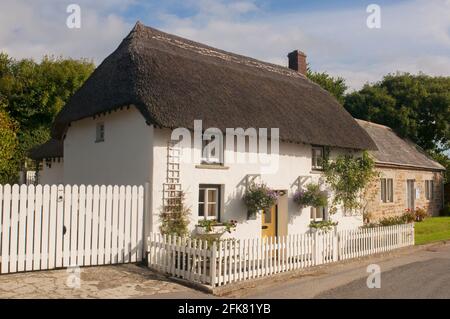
(147, 219)
(335, 244)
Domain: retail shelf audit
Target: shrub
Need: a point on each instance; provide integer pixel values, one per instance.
(393, 220)
(409, 216)
(312, 196)
(420, 214)
(325, 225)
(259, 197)
(175, 218)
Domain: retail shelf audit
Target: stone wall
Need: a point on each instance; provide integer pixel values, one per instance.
(377, 209)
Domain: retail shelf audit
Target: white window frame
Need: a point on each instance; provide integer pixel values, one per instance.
(207, 201)
(314, 218)
(100, 132)
(429, 189)
(314, 162)
(388, 195)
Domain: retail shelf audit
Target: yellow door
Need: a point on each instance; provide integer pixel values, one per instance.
(269, 222)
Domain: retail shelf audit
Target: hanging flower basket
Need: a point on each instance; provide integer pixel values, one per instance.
(259, 197)
(311, 196)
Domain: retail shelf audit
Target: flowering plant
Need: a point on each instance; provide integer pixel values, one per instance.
(311, 196)
(259, 197)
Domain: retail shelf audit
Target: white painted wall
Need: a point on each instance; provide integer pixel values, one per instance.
(52, 172)
(124, 158)
(295, 162)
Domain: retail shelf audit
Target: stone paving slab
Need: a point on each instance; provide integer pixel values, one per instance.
(113, 281)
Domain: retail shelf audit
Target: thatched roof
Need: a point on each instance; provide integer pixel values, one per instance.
(174, 81)
(396, 151)
(51, 149)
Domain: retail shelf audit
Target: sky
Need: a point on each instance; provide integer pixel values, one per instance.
(414, 35)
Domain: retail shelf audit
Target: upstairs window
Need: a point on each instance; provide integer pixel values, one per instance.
(100, 132)
(317, 157)
(429, 189)
(387, 190)
(209, 201)
(212, 149)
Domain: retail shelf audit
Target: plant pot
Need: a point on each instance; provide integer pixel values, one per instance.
(215, 230)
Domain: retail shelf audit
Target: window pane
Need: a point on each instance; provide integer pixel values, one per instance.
(212, 195)
(267, 215)
(212, 208)
(201, 196)
(383, 189)
(201, 209)
(431, 189)
(313, 214)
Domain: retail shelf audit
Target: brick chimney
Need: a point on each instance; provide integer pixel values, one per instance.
(297, 61)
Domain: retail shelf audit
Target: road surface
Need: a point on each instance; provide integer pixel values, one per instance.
(417, 272)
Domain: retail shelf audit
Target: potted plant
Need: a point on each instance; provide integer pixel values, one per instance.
(214, 227)
(311, 196)
(259, 197)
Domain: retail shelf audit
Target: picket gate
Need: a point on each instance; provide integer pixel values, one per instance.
(54, 226)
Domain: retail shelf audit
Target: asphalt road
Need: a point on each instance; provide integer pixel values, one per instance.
(417, 272)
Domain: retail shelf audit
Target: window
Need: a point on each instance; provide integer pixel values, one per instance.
(429, 189)
(317, 157)
(100, 132)
(209, 201)
(318, 213)
(212, 149)
(387, 190)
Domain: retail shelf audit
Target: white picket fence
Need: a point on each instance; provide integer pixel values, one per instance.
(47, 227)
(243, 259)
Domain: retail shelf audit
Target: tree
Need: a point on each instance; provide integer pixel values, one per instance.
(416, 106)
(335, 85)
(33, 93)
(8, 147)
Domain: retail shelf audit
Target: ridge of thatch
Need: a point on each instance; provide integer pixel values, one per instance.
(397, 151)
(174, 81)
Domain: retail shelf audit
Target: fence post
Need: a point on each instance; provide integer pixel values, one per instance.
(213, 262)
(335, 244)
(147, 217)
(412, 234)
(316, 247)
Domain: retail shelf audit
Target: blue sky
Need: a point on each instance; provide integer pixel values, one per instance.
(414, 34)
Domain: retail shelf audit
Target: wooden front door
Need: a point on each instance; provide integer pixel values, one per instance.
(269, 222)
(411, 193)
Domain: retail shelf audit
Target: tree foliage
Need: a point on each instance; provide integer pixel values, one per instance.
(416, 106)
(8, 148)
(335, 85)
(33, 93)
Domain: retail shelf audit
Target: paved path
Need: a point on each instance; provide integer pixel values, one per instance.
(119, 281)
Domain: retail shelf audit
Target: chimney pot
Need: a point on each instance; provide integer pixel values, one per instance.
(297, 61)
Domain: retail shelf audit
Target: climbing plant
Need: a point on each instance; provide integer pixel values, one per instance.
(175, 218)
(348, 176)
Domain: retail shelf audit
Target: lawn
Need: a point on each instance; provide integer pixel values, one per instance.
(432, 229)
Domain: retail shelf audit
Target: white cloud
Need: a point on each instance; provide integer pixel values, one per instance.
(414, 35)
(36, 28)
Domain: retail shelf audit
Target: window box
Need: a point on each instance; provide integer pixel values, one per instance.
(215, 230)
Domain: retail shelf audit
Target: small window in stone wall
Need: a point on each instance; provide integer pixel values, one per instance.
(429, 189)
(387, 190)
(100, 132)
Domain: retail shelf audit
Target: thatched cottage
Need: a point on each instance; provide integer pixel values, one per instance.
(117, 129)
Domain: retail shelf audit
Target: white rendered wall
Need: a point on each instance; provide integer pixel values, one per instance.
(52, 172)
(294, 162)
(123, 158)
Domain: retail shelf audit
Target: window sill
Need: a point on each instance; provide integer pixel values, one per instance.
(211, 166)
(316, 171)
